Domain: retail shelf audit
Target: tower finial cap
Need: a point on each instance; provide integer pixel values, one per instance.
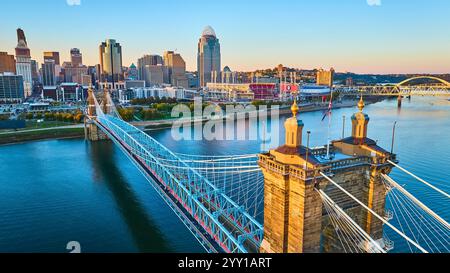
(294, 108)
(361, 104)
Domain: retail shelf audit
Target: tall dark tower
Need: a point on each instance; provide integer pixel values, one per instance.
(21, 36)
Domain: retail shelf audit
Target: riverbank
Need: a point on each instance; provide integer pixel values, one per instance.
(77, 131)
(41, 134)
(167, 123)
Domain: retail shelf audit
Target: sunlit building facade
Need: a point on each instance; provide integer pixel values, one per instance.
(23, 62)
(111, 61)
(208, 57)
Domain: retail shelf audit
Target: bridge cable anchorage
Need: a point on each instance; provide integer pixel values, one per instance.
(420, 179)
(415, 200)
(375, 214)
(331, 204)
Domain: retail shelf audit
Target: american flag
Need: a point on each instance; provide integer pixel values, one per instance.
(330, 105)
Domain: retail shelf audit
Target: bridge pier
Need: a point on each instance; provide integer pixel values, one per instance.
(295, 220)
(399, 101)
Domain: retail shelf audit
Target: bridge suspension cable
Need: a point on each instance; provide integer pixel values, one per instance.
(420, 179)
(375, 214)
(415, 200)
(416, 219)
(343, 223)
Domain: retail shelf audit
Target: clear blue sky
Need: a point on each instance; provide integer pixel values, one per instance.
(397, 36)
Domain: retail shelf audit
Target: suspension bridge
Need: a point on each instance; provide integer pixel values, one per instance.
(290, 199)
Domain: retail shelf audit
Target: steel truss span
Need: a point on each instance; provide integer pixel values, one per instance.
(441, 89)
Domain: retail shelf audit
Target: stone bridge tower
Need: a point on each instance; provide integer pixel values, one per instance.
(91, 130)
(294, 218)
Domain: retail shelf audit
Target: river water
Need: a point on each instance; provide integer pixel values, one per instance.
(56, 191)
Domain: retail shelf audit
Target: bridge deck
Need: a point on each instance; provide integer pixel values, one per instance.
(211, 213)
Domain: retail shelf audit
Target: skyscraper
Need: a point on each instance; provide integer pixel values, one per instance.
(154, 74)
(48, 73)
(208, 57)
(75, 70)
(110, 61)
(23, 62)
(52, 55)
(147, 60)
(176, 69)
(7, 63)
(34, 71)
(76, 58)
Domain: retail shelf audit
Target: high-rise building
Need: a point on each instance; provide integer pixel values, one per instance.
(11, 87)
(111, 61)
(208, 57)
(7, 63)
(147, 60)
(23, 62)
(34, 71)
(48, 73)
(74, 73)
(324, 77)
(154, 74)
(176, 69)
(52, 55)
(76, 58)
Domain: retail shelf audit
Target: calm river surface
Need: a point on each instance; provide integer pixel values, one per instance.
(56, 191)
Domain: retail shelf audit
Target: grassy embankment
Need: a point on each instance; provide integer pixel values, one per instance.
(51, 133)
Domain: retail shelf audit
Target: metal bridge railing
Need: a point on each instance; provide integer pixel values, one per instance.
(208, 205)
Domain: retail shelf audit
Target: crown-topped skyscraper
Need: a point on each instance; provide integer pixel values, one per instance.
(208, 57)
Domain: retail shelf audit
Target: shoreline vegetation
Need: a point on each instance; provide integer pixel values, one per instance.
(151, 125)
(77, 131)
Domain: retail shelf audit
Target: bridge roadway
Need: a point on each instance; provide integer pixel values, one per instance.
(216, 221)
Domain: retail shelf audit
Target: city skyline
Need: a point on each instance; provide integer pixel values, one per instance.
(375, 37)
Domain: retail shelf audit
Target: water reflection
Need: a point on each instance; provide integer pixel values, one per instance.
(144, 231)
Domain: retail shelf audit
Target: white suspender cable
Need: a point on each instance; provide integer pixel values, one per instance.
(415, 200)
(421, 180)
(375, 214)
(345, 215)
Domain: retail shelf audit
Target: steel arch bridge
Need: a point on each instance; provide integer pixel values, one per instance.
(441, 89)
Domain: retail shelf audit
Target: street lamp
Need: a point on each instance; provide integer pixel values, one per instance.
(393, 136)
(343, 126)
(307, 149)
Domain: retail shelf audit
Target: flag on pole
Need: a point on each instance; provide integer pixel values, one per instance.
(330, 105)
